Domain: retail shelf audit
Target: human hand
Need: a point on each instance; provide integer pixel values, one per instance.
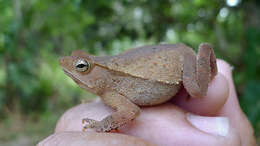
(167, 124)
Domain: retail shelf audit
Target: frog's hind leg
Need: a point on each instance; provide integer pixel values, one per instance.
(199, 71)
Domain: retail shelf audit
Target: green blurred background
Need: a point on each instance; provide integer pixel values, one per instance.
(34, 91)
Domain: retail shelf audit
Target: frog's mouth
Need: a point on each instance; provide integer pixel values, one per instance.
(68, 73)
(75, 79)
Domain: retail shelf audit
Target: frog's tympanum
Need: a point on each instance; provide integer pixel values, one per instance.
(143, 76)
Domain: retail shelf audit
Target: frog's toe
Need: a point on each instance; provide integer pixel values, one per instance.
(89, 123)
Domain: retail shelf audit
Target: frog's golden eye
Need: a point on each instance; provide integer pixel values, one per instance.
(82, 65)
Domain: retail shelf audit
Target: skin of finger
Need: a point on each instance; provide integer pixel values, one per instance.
(93, 139)
(232, 109)
(71, 120)
(209, 105)
(167, 125)
(162, 125)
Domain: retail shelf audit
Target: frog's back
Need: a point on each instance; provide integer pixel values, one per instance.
(161, 63)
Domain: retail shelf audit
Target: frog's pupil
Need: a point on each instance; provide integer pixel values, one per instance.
(81, 65)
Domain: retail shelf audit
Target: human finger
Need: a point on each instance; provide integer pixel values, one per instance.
(162, 125)
(232, 109)
(91, 138)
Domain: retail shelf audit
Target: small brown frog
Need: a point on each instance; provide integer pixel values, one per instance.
(143, 76)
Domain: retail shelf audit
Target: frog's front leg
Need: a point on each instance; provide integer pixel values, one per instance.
(198, 71)
(125, 112)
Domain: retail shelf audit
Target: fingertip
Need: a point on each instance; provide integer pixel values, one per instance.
(224, 68)
(216, 97)
(232, 108)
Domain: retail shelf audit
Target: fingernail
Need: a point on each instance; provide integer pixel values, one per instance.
(224, 67)
(213, 125)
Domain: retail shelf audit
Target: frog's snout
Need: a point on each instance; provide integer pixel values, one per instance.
(61, 60)
(65, 61)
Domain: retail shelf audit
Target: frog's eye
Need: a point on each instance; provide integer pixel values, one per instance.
(82, 65)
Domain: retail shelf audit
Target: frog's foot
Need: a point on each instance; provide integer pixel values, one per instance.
(125, 112)
(199, 70)
(106, 125)
(89, 124)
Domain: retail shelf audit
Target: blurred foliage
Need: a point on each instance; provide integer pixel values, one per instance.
(34, 33)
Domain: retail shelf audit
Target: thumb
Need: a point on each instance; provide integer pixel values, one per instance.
(232, 110)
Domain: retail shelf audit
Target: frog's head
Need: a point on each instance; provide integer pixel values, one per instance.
(82, 69)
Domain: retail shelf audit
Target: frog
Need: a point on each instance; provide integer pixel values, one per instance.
(143, 76)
